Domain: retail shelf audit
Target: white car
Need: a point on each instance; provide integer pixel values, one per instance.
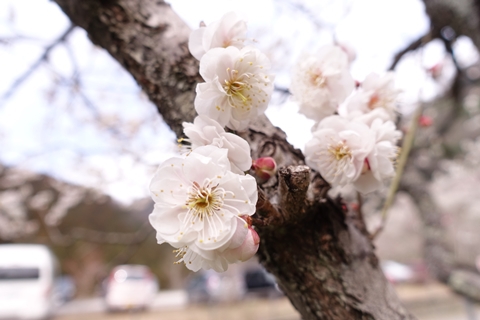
(396, 272)
(27, 275)
(130, 287)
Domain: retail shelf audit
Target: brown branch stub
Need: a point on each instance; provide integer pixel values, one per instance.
(150, 41)
(266, 213)
(293, 186)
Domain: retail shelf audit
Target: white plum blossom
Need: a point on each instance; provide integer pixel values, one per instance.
(230, 30)
(380, 161)
(369, 117)
(199, 205)
(205, 131)
(375, 92)
(338, 149)
(321, 82)
(237, 86)
(219, 259)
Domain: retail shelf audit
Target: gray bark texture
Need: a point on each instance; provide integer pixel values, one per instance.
(321, 255)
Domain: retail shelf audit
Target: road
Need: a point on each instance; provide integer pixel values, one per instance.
(427, 302)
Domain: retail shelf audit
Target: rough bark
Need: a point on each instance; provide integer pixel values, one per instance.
(322, 256)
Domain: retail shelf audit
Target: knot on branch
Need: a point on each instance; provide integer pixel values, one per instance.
(266, 213)
(293, 186)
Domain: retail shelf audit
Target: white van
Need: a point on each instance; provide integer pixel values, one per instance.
(27, 275)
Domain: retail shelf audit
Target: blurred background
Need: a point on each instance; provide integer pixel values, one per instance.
(79, 142)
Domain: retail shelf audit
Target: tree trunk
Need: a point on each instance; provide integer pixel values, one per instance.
(321, 255)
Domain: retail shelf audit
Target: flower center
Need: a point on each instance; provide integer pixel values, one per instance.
(204, 201)
(340, 151)
(377, 101)
(234, 87)
(318, 80)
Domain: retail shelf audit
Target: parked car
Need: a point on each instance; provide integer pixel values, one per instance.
(130, 287)
(64, 289)
(259, 282)
(210, 286)
(27, 276)
(397, 272)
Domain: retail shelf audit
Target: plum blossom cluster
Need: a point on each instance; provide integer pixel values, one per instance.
(355, 139)
(238, 85)
(203, 198)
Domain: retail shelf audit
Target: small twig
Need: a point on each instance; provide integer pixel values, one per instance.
(282, 90)
(411, 47)
(360, 204)
(37, 63)
(406, 147)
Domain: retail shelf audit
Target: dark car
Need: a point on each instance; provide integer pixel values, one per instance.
(259, 282)
(210, 286)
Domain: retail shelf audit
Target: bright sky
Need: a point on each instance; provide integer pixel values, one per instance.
(101, 131)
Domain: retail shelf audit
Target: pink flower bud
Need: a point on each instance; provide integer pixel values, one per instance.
(436, 70)
(264, 169)
(425, 121)
(247, 249)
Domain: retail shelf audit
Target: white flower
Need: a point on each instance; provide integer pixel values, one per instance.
(368, 117)
(230, 30)
(243, 246)
(338, 149)
(376, 92)
(380, 161)
(237, 88)
(205, 131)
(199, 202)
(321, 82)
(218, 259)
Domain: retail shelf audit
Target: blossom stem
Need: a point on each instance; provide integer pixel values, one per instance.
(402, 161)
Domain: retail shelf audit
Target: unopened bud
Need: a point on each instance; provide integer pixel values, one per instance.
(436, 70)
(247, 249)
(264, 168)
(425, 121)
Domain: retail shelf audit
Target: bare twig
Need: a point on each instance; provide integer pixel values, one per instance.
(36, 64)
(411, 47)
(402, 161)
